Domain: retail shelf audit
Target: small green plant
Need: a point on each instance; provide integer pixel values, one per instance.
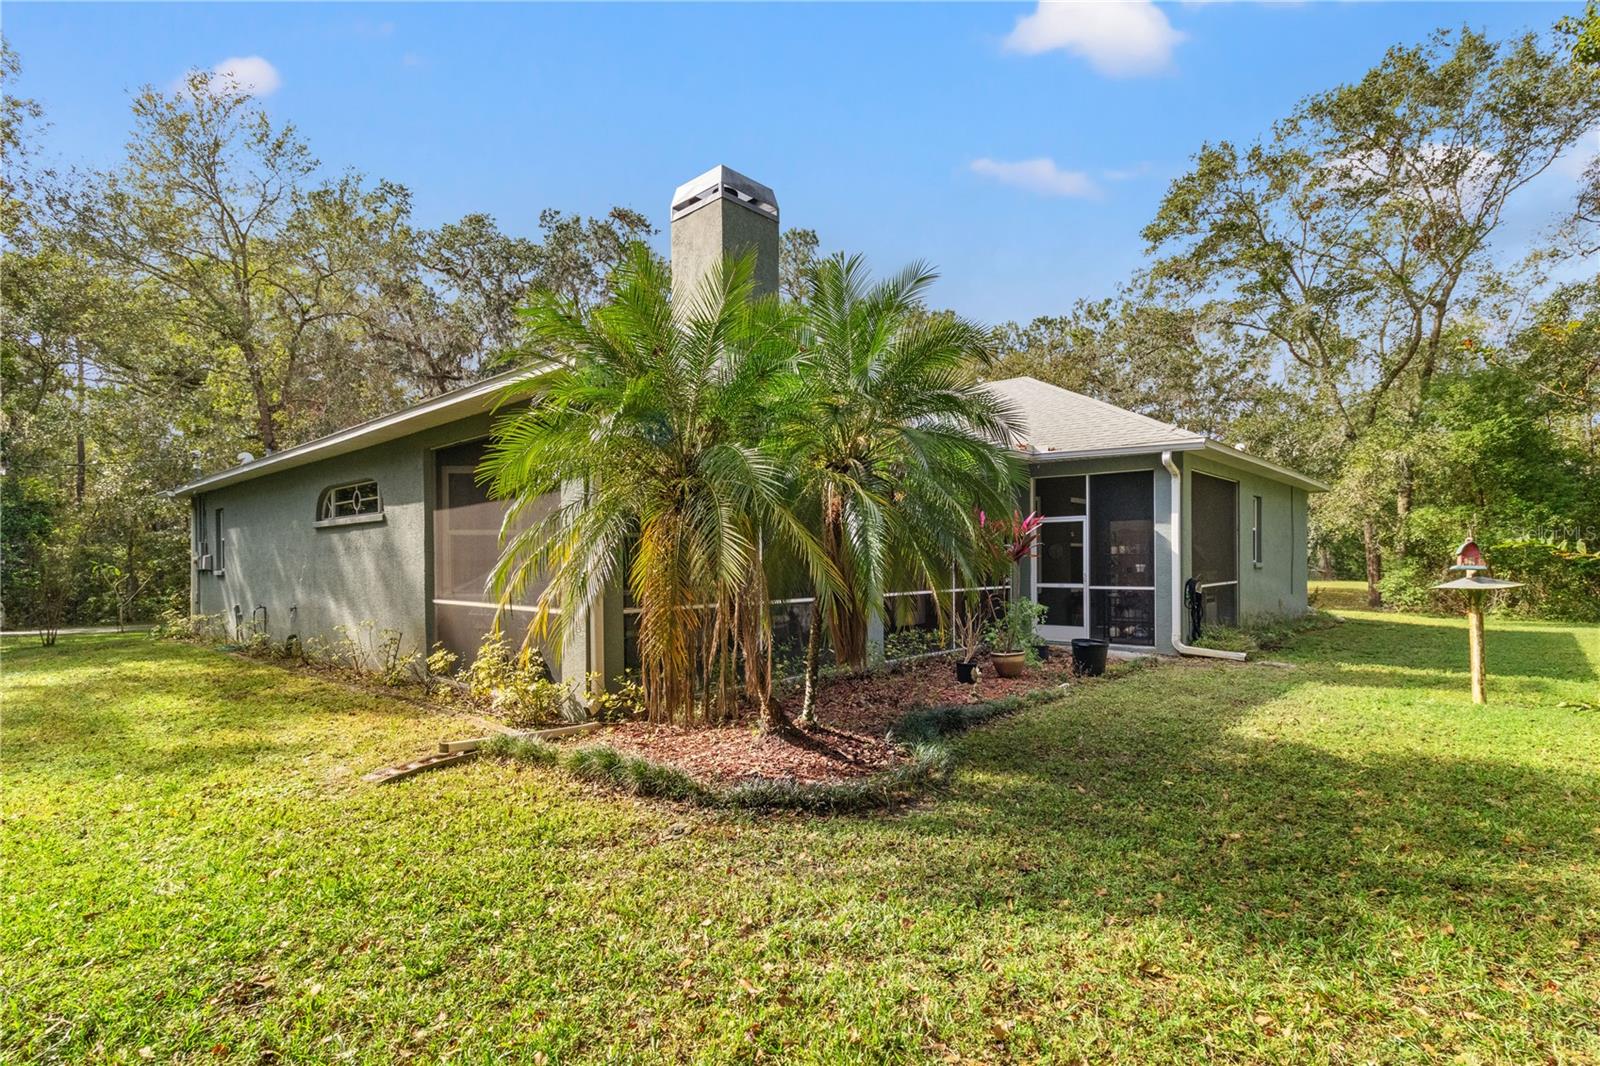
(909, 643)
(259, 645)
(395, 666)
(176, 623)
(516, 687)
(623, 702)
(437, 669)
(1013, 630)
(378, 653)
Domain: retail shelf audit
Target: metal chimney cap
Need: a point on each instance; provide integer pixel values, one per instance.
(723, 183)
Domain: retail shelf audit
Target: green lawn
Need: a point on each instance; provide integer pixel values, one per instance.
(1339, 861)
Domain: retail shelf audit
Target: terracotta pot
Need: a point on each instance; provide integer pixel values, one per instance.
(1009, 663)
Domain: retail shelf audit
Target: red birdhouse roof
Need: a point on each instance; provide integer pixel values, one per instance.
(1468, 557)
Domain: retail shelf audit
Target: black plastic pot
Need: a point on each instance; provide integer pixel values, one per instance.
(966, 673)
(1042, 650)
(1089, 656)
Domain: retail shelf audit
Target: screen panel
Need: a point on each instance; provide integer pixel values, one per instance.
(1122, 538)
(1058, 497)
(1214, 521)
(1124, 616)
(1063, 607)
(466, 548)
(1061, 553)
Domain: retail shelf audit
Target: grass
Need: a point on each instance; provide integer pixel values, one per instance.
(1338, 595)
(1340, 861)
(1263, 634)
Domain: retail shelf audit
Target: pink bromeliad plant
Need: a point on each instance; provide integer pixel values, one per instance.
(1011, 541)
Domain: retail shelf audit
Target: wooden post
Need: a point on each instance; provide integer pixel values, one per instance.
(1475, 645)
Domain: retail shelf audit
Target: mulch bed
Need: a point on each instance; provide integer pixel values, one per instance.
(854, 715)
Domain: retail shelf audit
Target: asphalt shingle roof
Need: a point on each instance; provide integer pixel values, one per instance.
(1060, 420)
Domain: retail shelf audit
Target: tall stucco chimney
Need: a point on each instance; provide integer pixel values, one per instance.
(720, 213)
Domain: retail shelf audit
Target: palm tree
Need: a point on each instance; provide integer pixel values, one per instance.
(893, 444)
(650, 425)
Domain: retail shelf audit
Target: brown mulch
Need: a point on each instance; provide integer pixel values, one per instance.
(854, 714)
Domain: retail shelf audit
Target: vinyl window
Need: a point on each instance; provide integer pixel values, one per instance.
(1256, 550)
(358, 501)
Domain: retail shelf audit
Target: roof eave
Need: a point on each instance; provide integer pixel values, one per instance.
(1042, 454)
(462, 403)
(1191, 444)
(1282, 473)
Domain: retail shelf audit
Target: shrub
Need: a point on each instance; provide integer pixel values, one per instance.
(1013, 630)
(624, 703)
(909, 643)
(1562, 578)
(1407, 585)
(365, 649)
(517, 687)
(178, 624)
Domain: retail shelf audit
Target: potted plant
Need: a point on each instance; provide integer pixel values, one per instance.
(967, 629)
(1011, 641)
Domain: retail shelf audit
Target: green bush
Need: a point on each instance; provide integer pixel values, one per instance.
(1013, 630)
(1407, 585)
(517, 687)
(1562, 576)
(622, 703)
(177, 623)
(909, 643)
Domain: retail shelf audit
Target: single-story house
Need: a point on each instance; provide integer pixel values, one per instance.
(385, 522)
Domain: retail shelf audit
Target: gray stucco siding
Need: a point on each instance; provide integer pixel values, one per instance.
(1277, 585)
(701, 239)
(312, 580)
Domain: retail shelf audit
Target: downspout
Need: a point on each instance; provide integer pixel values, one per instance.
(1175, 528)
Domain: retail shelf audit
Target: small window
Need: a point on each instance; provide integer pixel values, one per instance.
(358, 502)
(1255, 532)
(216, 559)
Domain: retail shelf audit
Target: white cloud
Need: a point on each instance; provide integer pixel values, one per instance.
(244, 74)
(1574, 162)
(1040, 176)
(1118, 39)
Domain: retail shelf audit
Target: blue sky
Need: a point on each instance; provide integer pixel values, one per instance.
(1019, 150)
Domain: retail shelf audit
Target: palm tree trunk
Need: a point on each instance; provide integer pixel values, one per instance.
(808, 704)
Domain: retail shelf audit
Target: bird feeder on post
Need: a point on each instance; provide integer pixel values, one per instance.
(1475, 582)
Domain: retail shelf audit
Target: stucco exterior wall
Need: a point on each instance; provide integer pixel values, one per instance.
(723, 227)
(1277, 585)
(311, 580)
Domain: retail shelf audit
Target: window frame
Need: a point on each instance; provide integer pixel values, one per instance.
(218, 564)
(325, 501)
(1258, 553)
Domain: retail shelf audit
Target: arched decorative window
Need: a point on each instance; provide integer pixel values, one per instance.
(358, 501)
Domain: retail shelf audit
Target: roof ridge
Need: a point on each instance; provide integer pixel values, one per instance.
(1168, 426)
